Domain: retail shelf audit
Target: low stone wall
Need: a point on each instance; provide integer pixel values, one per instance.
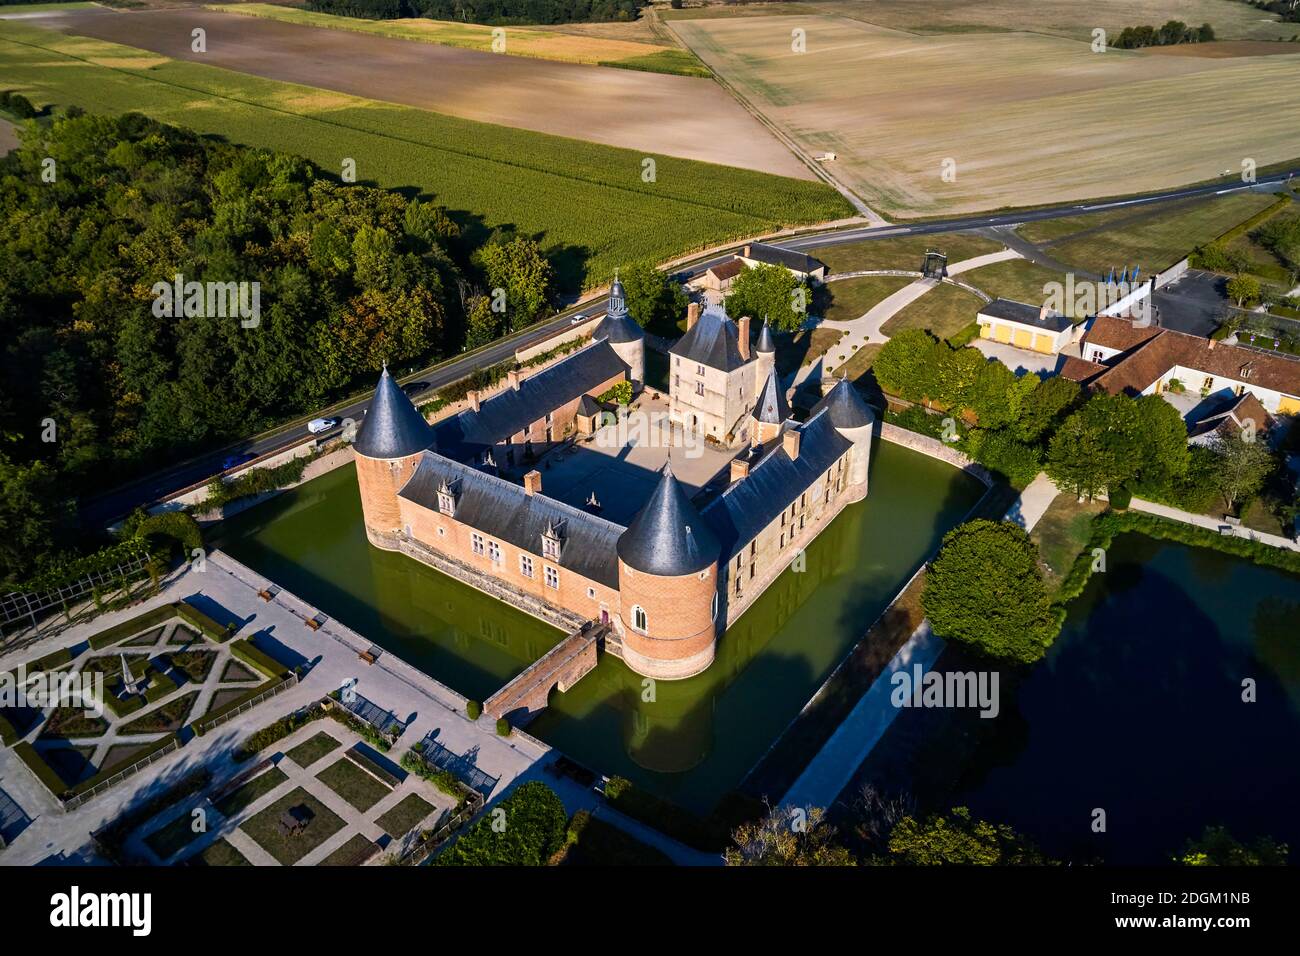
(934, 449)
(322, 465)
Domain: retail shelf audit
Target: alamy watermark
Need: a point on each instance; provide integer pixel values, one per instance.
(198, 300)
(942, 689)
(41, 689)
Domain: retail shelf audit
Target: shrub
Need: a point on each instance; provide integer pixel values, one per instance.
(473, 709)
(43, 771)
(177, 525)
(17, 104)
(1120, 497)
(129, 628)
(503, 727)
(364, 761)
(8, 732)
(666, 817)
(535, 831)
(206, 625)
(259, 740)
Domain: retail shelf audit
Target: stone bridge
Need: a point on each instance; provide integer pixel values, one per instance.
(524, 697)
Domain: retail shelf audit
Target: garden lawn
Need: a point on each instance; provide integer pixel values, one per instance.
(859, 363)
(903, 252)
(353, 784)
(170, 716)
(803, 348)
(851, 299)
(1017, 279)
(586, 201)
(945, 310)
(264, 828)
(312, 749)
(221, 853)
(404, 817)
(1061, 534)
(166, 840)
(234, 803)
(348, 852)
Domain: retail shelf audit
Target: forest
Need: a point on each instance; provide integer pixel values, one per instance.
(98, 384)
(492, 12)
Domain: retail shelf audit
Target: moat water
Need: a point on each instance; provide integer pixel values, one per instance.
(1137, 710)
(691, 740)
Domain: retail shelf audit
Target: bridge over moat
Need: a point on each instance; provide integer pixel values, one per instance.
(525, 696)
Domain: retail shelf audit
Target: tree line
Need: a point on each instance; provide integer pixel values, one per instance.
(1172, 33)
(97, 384)
(490, 12)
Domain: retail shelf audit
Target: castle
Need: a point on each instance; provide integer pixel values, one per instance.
(670, 581)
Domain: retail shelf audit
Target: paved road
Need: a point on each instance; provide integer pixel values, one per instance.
(181, 475)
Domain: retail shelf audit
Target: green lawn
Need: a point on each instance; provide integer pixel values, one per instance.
(944, 310)
(233, 803)
(348, 852)
(1153, 240)
(803, 348)
(222, 853)
(859, 363)
(1061, 533)
(312, 749)
(193, 664)
(586, 200)
(179, 833)
(353, 784)
(264, 828)
(903, 252)
(851, 298)
(1016, 279)
(404, 817)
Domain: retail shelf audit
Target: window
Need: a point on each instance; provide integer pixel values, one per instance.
(1095, 356)
(526, 565)
(446, 503)
(476, 543)
(699, 370)
(550, 547)
(752, 569)
(638, 618)
(494, 552)
(782, 539)
(699, 388)
(552, 577)
(591, 593)
(713, 608)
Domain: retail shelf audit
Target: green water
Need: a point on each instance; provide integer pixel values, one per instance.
(689, 740)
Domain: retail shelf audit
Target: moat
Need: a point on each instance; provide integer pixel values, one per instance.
(690, 740)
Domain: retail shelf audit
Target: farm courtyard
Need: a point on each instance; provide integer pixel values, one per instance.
(1013, 118)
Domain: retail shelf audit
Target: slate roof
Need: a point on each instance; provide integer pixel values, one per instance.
(755, 501)
(668, 537)
(776, 256)
(617, 325)
(588, 406)
(772, 408)
(713, 341)
(1025, 314)
(504, 511)
(392, 428)
(845, 405)
(1244, 407)
(510, 411)
(765, 341)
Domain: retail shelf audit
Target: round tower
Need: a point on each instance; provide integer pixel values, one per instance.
(854, 420)
(668, 586)
(625, 337)
(764, 355)
(388, 447)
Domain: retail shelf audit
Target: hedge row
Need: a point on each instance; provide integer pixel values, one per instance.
(250, 655)
(259, 740)
(113, 835)
(205, 723)
(103, 775)
(51, 662)
(1268, 212)
(8, 732)
(54, 783)
(44, 772)
(666, 817)
(372, 767)
(120, 632)
(446, 781)
(210, 628)
(536, 824)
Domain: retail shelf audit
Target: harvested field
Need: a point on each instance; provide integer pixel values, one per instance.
(601, 47)
(672, 115)
(1225, 50)
(965, 122)
(586, 202)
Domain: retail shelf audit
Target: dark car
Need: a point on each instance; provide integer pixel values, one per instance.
(414, 388)
(234, 461)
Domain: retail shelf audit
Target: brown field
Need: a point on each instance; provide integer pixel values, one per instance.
(1028, 119)
(673, 115)
(1226, 49)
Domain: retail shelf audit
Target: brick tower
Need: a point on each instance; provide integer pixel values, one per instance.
(668, 586)
(387, 449)
(854, 420)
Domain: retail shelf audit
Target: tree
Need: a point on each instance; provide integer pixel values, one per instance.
(27, 517)
(785, 837)
(771, 292)
(482, 325)
(958, 839)
(1242, 289)
(1217, 847)
(1242, 467)
(985, 590)
(906, 364)
(1046, 406)
(1096, 447)
(653, 298)
(519, 269)
(1161, 437)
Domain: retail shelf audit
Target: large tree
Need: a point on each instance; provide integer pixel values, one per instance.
(653, 298)
(1097, 447)
(522, 274)
(1242, 468)
(958, 839)
(771, 292)
(1046, 407)
(785, 837)
(985, 590)
(1217, 847)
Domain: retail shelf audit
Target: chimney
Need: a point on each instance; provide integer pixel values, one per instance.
(692, 315)
(512, 377)
(472, 397)
(790, 442)
(744, 337)
(745, 254)
(739, 468)
(533, 482)
(1211, 345)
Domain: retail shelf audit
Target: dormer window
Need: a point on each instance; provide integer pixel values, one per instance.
(447, 499)
(551, 540)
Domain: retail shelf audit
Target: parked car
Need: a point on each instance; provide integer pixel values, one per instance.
(414, 388)
(578, 319)
(318, 425)
(234, 461)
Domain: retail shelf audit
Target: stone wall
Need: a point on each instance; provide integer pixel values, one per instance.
(935, 449)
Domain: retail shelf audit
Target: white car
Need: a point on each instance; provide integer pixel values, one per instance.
(318, 425)
(578, 319)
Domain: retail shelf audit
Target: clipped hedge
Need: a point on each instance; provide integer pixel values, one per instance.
(120, 632)
(8, 732)
(51, 662)
(444, 780)
(204, 723)
(112, 836)
(371, 767)
(210, 628)
(473, 709)
(43, 771)
(245, 651)
(259, 740)
(103, 775)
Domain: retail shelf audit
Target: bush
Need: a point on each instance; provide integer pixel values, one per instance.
(17, 104)
(666, 817)
(206, 625)
(444, 780)
(473, 709)
(43, 771)
(8, 732)
(536, 822)
(129, 628)
(965, 335)
(503, 727)
(180, 526)
(1120, 497)
(259, 740)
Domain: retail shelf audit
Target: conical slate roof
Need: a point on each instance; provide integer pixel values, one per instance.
(392, 427)
(617, 326)
(846, 407)
(668, 537)
(765, 341)
(772, 407)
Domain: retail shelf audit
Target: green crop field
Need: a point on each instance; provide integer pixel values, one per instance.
(587, 203)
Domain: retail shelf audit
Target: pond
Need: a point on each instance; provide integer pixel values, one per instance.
(1137, 710)
(690, 740)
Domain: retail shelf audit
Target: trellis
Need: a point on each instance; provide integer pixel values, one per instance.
(30, 605)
